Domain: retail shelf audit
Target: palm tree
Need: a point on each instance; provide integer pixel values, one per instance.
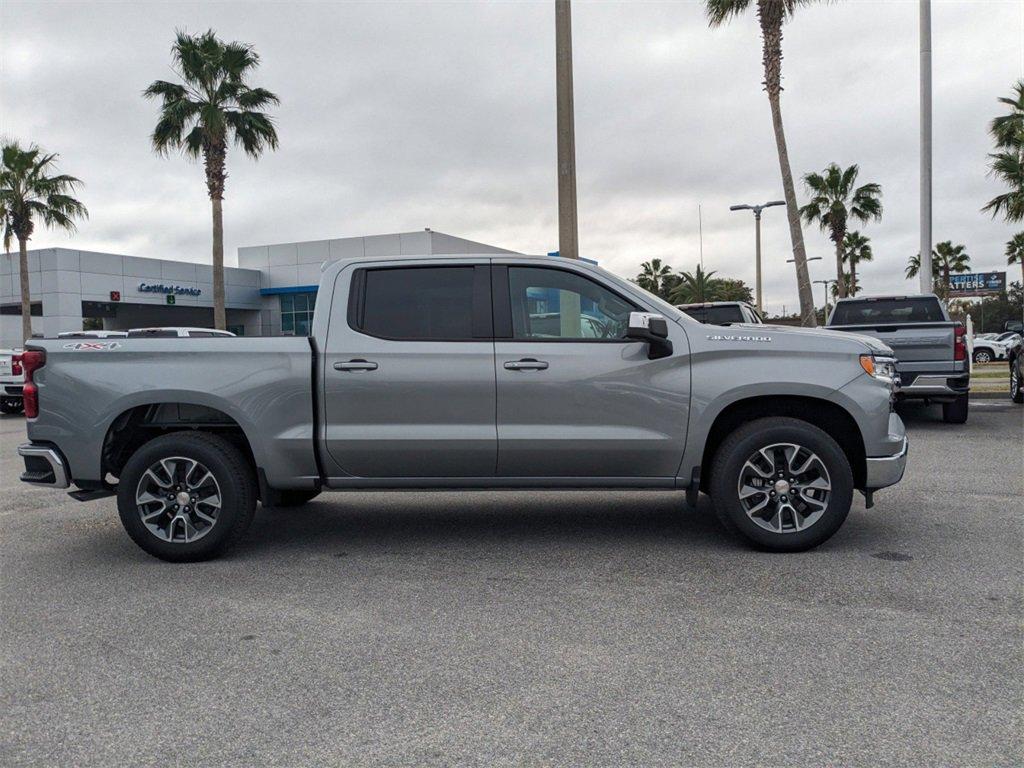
(652, 276)
(947, 259)
(1015, 253)
(695, 287)
(850, 281)
(856, 248)
(30, 192)
(772, 14)
(199, 116)
(1007, 164)
(834, 201)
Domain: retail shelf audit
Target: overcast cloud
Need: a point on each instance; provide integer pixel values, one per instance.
(399, 116)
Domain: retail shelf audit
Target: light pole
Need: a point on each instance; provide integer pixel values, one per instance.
(825, 283)
(925, 270)
(757, 238)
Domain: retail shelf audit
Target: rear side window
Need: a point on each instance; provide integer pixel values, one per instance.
(888, 311)
(422, 303)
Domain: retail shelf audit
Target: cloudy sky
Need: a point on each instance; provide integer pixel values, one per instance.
(399, 116)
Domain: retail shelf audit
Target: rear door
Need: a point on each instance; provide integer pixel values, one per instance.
(575, 398)
(408, 372)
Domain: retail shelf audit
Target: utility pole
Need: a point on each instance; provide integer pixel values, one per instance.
(925, 272)
(757, 244)
(568, 234)
(825, 284)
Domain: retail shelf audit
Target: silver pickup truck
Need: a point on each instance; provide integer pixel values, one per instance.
(450, 372)
(930, 349)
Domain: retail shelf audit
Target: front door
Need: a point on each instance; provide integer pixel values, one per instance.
(408, 373)
(575, 397)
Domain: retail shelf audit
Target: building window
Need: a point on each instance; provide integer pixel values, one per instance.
(297, 313)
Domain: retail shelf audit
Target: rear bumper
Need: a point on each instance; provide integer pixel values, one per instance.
(884, 471)
(44, 466)
(935, 385)
(8, 391)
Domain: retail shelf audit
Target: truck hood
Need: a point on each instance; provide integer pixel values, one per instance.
(835, 339)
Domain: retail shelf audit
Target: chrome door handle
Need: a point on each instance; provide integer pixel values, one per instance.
(526, 364)
(356, 365)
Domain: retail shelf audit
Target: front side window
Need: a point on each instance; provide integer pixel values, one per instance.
(417, 303)
(556, 304)
(297, 313)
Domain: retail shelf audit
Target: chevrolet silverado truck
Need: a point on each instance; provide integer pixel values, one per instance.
(467, 372)
(930, 349)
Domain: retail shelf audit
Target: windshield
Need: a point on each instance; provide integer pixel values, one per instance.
(923, 309)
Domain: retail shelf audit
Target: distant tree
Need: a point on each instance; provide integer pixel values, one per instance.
(851, 283)
(199, 116)
(31, 192)
(771, 14)
(1015, 252)
(695, 287)
(652, 276)
(733, 290)
(1007, 162)
(856, 249)
(835, 201)
(947, 259)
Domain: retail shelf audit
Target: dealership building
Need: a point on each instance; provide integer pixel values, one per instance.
(272, 291)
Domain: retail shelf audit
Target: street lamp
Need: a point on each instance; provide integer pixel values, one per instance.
(757, 235)
(825, 283)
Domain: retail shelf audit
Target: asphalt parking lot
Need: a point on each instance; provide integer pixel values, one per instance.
(529, 628)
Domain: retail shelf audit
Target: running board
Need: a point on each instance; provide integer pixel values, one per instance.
(91, 495)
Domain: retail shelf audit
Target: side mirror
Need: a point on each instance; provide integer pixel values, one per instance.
(652, 329)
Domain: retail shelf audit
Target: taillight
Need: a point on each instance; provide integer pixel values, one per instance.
(16, 365)
(959, 343)
(31, 360)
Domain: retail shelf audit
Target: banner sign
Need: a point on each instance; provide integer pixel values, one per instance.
(977, 284)
(180, 290)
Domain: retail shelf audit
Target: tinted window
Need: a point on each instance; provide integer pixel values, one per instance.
(723, 315)
(152, 334)
(555, 304)
(888, 311)
(421, 303)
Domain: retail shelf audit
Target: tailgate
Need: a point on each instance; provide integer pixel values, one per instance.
(5, 366)
(919, 342)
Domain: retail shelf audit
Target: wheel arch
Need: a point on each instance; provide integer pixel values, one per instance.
(833, 419)
(137, 425)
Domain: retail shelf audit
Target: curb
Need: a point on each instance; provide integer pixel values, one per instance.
(991, 395)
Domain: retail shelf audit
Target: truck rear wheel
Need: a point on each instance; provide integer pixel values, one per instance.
(956, 411)
(782, 484)
(186, 496)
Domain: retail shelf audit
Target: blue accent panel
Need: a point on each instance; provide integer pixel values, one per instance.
(289, 289)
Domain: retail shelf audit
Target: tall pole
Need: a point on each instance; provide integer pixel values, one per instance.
(568, 237)
(757, 250)
(925, 272)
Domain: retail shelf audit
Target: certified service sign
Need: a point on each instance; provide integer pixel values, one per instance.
(174, 290)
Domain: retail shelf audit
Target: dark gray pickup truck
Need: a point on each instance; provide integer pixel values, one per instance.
(930, 349)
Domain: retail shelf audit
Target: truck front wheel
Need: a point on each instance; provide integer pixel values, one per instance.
(186, 496)
(782, 484)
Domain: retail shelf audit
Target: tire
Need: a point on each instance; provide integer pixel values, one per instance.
(291, 498)
(956, 411)
(799, 532)
(233, 487)
(984, 356)
(1016, 385)
(10, 407)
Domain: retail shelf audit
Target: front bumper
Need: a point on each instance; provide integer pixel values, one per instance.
(883, 471)
(44, 466)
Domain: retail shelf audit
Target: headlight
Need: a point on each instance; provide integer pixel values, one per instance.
(880, 368)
